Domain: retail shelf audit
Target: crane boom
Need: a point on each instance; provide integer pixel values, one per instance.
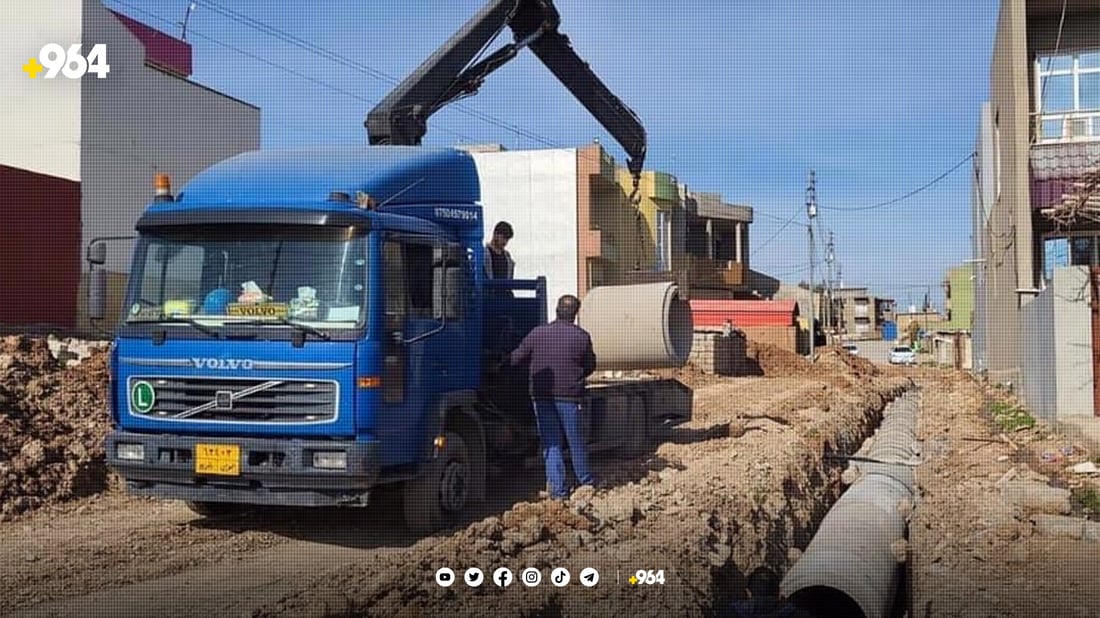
(447, 75)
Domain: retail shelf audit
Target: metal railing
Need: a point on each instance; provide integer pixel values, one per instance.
(1056, 128)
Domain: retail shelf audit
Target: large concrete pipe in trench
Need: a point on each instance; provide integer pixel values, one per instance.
(850, 567)
(643, 326)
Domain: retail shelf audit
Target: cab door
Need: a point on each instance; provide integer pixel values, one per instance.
(425, 338)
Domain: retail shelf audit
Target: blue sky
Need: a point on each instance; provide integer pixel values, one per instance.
(741, 98)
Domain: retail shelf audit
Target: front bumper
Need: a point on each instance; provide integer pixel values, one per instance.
(275, 472)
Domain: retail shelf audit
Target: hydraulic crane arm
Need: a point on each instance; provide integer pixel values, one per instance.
(447, 75)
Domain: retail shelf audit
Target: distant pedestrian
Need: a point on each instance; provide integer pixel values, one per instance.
(498, 262)
(559, 357)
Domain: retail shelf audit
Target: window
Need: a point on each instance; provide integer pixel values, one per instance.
(230, 272)
(408, 278)
(1067, 95)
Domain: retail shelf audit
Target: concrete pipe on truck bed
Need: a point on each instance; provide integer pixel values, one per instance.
(644, 326)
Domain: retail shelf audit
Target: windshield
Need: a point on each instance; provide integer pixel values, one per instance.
(902, 350)
(234, 274)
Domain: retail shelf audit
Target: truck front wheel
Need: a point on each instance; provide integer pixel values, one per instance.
(440, 496)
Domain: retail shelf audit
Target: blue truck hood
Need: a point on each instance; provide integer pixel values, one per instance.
(237, 388)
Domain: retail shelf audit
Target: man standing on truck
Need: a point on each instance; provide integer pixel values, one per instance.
(559, 357)
(498, 262)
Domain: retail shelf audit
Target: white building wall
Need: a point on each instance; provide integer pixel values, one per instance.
(140, 121)
(40, 119)
(535, 191)
(1055, 351)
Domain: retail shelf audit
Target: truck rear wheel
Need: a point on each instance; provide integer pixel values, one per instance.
(440, 496)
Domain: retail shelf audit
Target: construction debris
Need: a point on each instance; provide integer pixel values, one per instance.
(53, 420)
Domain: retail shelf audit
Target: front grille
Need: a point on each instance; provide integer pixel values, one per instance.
(241, 400)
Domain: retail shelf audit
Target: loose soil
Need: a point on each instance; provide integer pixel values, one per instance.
(972, 552)
(53, 420)
(731, 495)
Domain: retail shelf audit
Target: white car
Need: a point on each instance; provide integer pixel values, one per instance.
(851, 348)
(903, 355)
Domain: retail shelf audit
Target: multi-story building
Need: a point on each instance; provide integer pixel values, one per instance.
(77, 156)
(575, 223)
(717, 247)
(1038, 142)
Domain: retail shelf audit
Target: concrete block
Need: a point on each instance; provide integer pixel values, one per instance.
(1072, 527)
(1036, 497)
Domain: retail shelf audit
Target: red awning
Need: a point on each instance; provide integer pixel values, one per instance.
(744, 313)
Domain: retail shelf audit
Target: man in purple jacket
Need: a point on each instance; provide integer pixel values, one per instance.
(559, 357)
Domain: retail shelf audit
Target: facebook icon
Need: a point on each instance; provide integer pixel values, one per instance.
(502, 577)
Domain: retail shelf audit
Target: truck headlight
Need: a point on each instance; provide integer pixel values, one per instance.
(133, 452)
(330, 460)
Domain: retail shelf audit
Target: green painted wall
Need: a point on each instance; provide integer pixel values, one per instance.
(962, 297)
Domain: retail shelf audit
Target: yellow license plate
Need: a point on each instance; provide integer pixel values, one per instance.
(223, 459)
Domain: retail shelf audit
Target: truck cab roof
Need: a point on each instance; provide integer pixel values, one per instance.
(305, 177)
(296, 186)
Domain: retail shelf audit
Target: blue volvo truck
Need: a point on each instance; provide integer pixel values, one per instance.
(302, 327)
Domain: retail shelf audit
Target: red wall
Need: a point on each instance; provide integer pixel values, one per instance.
(39, 248)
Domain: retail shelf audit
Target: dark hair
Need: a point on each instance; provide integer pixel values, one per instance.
(568, 307)
(504, 229)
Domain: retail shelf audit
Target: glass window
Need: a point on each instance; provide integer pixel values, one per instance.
(1052, 128)
(1089, 60)
(1057, 94)
(1055, 63)
(1080, 250)
(239, 273)
(1090, 90)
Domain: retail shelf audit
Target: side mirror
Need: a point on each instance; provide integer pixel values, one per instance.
(97, 293)
(97, 253)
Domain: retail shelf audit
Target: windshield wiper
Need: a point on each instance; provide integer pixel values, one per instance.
(175, 319)
(305, 328)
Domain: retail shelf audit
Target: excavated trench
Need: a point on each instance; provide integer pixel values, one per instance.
(852, 564)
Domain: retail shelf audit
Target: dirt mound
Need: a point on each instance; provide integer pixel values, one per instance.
(834, 359)
(53, 420)
(775, 362)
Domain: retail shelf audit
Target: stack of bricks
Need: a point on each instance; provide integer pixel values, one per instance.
(718, 353)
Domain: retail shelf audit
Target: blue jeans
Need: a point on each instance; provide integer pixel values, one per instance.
(560, 424)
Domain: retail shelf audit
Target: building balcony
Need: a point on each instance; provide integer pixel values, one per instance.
(703, 272)
(1067, 128)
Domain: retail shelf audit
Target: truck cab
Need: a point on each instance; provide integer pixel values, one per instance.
(301, 326)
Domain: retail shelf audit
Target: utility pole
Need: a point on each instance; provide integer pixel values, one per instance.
(811, 212)
(830, 256)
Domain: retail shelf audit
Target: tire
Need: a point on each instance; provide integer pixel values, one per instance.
(216, 510)
(442, 495)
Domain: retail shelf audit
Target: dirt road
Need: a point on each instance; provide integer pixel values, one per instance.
(1000, 525)
(734, 492)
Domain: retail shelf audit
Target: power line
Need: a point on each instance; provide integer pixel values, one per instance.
(323, 52)
(785, 225)
(908, 195)
(260, 59)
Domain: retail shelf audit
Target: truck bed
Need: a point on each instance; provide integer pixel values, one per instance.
(624, 414)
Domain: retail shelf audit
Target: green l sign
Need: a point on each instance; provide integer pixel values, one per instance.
(142, 396)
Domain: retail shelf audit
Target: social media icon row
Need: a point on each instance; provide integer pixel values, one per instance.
(530, 577)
